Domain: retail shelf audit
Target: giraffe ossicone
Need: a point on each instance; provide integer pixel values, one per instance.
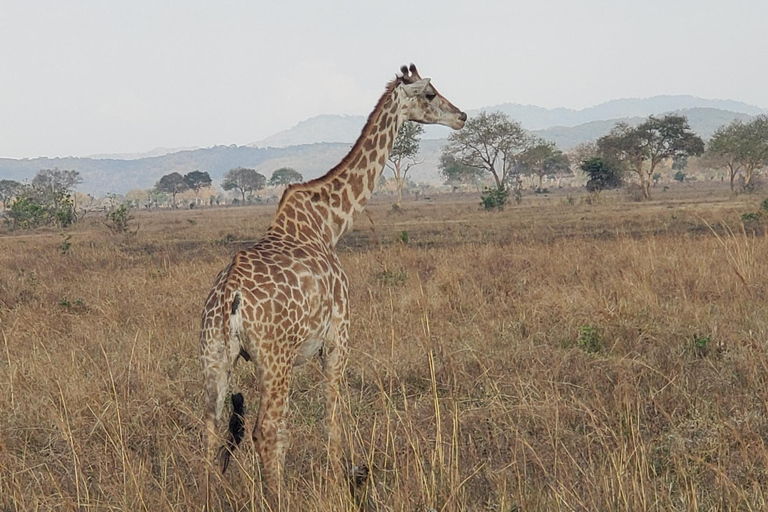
(284, 300)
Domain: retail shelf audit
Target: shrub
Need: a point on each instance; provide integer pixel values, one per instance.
(590, 340)
(26, 213)
(494, 198)
(118, 219)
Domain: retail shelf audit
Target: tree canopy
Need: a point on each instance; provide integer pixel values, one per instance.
(285, 176)
(197, 180)
(244, 180)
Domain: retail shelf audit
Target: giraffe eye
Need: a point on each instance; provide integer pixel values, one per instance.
(430, 96)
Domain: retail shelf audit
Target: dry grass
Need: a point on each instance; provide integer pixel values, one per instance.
(549, 357)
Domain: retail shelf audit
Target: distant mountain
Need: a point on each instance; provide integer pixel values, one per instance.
(334, 128)
(538, 118)
(135, 156)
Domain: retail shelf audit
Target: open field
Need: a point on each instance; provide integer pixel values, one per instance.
(554, 356)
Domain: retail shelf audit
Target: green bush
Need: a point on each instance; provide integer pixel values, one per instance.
(494, 198)
(590, 340)
(118, 219)
(25, 213)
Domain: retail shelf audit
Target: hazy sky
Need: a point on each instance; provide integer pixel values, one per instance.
(85, 77)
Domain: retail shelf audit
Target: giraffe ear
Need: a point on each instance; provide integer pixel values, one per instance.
(416, 88)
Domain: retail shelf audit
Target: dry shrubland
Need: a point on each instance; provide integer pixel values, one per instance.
(554, 356)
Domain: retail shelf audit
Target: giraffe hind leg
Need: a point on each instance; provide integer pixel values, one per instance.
(215, 384)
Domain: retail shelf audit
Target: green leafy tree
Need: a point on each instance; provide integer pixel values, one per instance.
(457, 174)
(8, 190)
(753, 151)
(403, 155)
(645, 146)
(285, 176)
(542, 158)
(173, 183)
(197, 180)
(603, 175)
(243, 180)
(724, 149)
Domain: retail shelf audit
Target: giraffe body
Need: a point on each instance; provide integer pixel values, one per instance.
(285, 299)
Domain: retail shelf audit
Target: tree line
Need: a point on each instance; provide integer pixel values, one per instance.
(244, 181)
(491, 146)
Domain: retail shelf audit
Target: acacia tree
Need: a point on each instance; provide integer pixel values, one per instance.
(403, 155)
(456, 174)
(542, 158)
(490, 142)
(173, 184)
(8, 190)
(243, 180)
(643, 147)
(197, 180)
(285, 176)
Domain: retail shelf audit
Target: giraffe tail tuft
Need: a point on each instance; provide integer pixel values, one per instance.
(236, 430)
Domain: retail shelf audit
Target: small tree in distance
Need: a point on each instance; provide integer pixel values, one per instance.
(457, 174)
(403, 155)
(197, 180)
(285, 176)
(8, 190)
(172, 184)
(602, 174)
(243, 180)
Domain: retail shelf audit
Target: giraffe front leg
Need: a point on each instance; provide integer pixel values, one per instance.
(269, 433)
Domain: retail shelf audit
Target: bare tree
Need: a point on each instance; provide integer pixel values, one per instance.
(492, 143)
(403, 155)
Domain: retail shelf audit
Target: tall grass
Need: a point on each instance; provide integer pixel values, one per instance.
(467, 387)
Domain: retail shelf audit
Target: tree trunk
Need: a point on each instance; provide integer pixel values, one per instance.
(399, 192)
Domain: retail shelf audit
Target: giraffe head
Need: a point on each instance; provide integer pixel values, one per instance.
(423, 104)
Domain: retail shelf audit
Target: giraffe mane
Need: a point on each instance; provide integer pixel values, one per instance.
(389, 89)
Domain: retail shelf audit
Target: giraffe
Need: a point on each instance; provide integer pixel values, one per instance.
(284, 300)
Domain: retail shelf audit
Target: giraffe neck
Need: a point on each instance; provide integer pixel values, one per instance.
(325, 208)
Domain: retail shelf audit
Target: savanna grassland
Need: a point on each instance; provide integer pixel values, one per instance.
(557, 355)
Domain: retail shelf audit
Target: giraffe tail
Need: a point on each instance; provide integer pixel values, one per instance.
(236, 429)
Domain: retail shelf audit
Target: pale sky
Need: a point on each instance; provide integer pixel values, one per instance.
(80, 77)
